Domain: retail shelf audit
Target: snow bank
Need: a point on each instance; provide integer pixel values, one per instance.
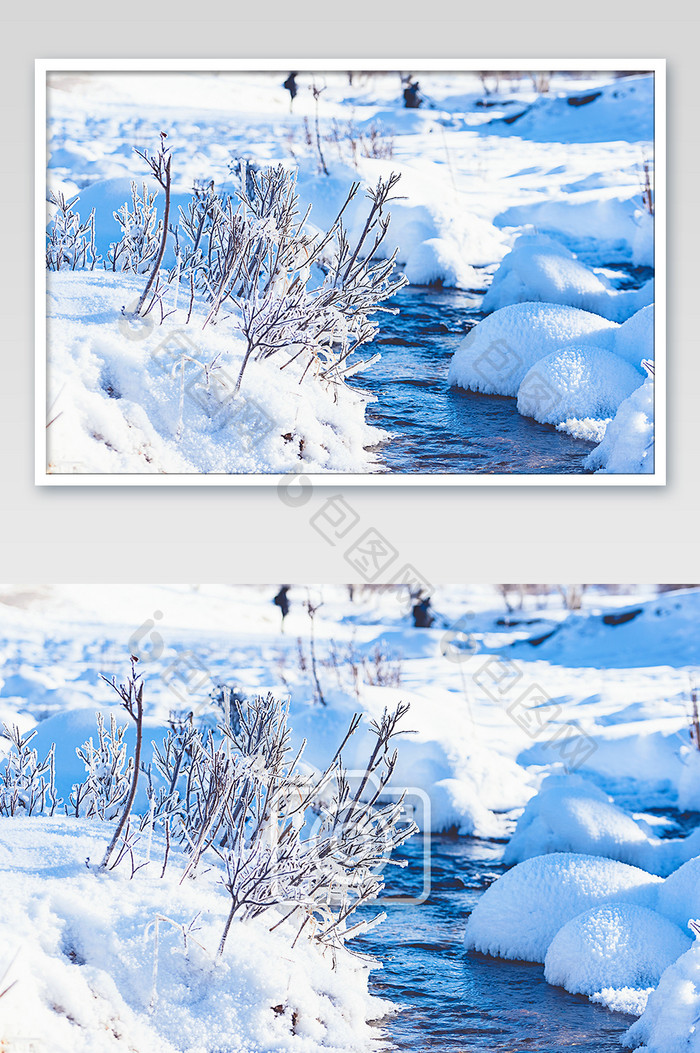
(538, 268)
(634, 340)
(576, 384)
(615, 954)
(628, 444)
(438, 262)
(519, 915)
(92, 974)
(572, 817)
(498, 352)
(137, 400)
(622, 110)
(605, 225)
(689, 782)
(671, 1021)
(679, 896)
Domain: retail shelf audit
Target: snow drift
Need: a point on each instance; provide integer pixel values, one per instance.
(538, 268)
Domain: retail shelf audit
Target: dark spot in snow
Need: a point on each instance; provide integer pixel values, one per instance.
(621, 617)
(583, 100)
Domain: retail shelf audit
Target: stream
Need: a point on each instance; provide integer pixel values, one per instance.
(436, 428)
(454, 1001)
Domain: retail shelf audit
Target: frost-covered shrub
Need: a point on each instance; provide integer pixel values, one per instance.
(141, 233)
(284, 837)
(70, 243)
(105, 789)
(27, 785)
(256, 257)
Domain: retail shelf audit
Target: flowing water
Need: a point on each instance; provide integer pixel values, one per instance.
(436, 428)
(457, 1001)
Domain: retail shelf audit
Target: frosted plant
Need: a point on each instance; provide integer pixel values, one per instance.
(70, 243)
(131, 695)
(256, 258)
(105, 789)
(142, 233)
(303, 844)
(27, 785)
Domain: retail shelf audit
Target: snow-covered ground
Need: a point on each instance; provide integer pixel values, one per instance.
(574, 723)
(478, 171)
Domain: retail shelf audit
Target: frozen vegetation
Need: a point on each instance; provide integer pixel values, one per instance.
(221, 897)
(214, 294)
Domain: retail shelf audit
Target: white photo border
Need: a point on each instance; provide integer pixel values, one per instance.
(45, 66)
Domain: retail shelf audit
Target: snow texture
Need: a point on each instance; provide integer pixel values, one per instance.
(570, 815)
(519, 915)
(615, 954)
(576, 383)
(671, 1021)
(538, 268)
(628, 444)
(499, 351)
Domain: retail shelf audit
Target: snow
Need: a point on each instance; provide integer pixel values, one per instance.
(679, 896)
(634, 340)
(539, 268)
(472, 188)
(437, 262)
(521, 913)
(498, 352)
(124, 398)
(628, 443)
(571, 815)
(588, 855)
(622, 110)
(671, 1021)
(615, 954)
(92, 973)
(576, 383)
(605, 224)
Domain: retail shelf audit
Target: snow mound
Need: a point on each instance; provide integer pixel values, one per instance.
(573, 818)
(89, 976)
(141, 400)
(437, 261)
(689, 782)
(671, 1021)
(456, 805)
(628, 444)
(497, 353)
(538, 268)
(615, 954)
(607, 224)
(519, 915)
(576, 383)
(679, 896)
(621, 111)
(634, 340)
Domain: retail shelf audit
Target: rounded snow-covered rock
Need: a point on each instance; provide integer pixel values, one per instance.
(634, 340)
(437, 261)
(577, 383)
(628, 444)
(671, 1021)
(539, 268)
(679, 896)
(519, 915)
(498, 352)
(615, 954)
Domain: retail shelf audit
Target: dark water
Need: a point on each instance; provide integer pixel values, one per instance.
(436, 428)
(454, 1001)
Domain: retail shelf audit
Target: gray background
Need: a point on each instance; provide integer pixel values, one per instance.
(248, 534)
